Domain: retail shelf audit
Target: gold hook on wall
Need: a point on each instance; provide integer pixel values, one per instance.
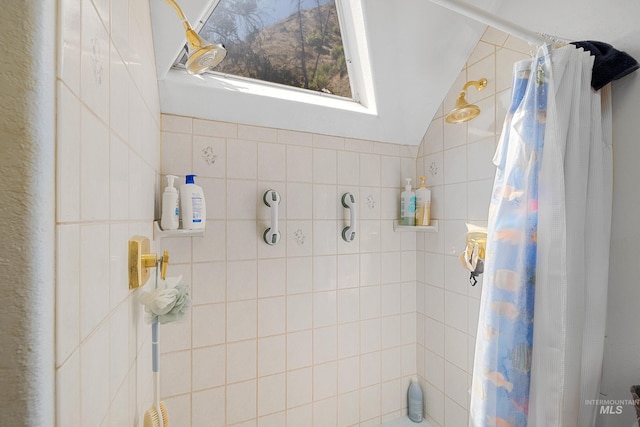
(472, 258)
(141, 261)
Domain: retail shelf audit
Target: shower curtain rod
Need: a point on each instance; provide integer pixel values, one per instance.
(485, 17)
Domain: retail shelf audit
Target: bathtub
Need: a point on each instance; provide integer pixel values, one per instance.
(405, 422)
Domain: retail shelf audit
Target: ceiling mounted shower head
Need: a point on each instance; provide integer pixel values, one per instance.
(463, 111)
(202, 55)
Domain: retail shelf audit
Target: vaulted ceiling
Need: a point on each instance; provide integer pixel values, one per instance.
(406, 55)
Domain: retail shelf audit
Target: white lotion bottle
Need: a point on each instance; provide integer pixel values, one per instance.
(423, 204)
(170, 219)
(408, 205)
(192, 205)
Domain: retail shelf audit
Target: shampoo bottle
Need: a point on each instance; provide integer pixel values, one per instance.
(192, 205)
(414, 401)
(423, 204)
(408, 205)
(170, 209)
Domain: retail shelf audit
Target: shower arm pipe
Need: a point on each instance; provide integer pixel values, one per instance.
(478, 84)
(481, 15)
(180, 13)
(194, 40)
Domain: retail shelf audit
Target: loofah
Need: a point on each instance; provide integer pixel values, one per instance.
(168, 302)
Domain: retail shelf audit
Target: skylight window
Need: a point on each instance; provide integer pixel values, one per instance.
(296, 43)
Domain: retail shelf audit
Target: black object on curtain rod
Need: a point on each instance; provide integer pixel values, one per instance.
(610, 64)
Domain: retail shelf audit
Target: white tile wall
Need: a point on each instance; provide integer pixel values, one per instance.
(105, 192)
(457, 161)
(311, 324)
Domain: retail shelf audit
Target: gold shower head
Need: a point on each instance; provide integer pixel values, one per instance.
(202, 55)
(463, 111)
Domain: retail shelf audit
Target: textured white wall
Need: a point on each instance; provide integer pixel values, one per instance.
(26, 212)
(622, 343)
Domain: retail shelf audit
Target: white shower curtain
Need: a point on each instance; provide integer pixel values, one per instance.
(574, 227)
(541, 330)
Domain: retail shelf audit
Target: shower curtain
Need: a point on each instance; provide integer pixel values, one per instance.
(540, 336)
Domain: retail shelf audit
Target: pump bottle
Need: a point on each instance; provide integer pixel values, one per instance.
(423, 204)
(192, 205)
(170, 219)
(408, 205)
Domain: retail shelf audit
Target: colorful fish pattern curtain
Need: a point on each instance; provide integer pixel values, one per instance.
(502, 365)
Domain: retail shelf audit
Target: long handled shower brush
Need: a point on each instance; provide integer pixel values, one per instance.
(157, 415)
